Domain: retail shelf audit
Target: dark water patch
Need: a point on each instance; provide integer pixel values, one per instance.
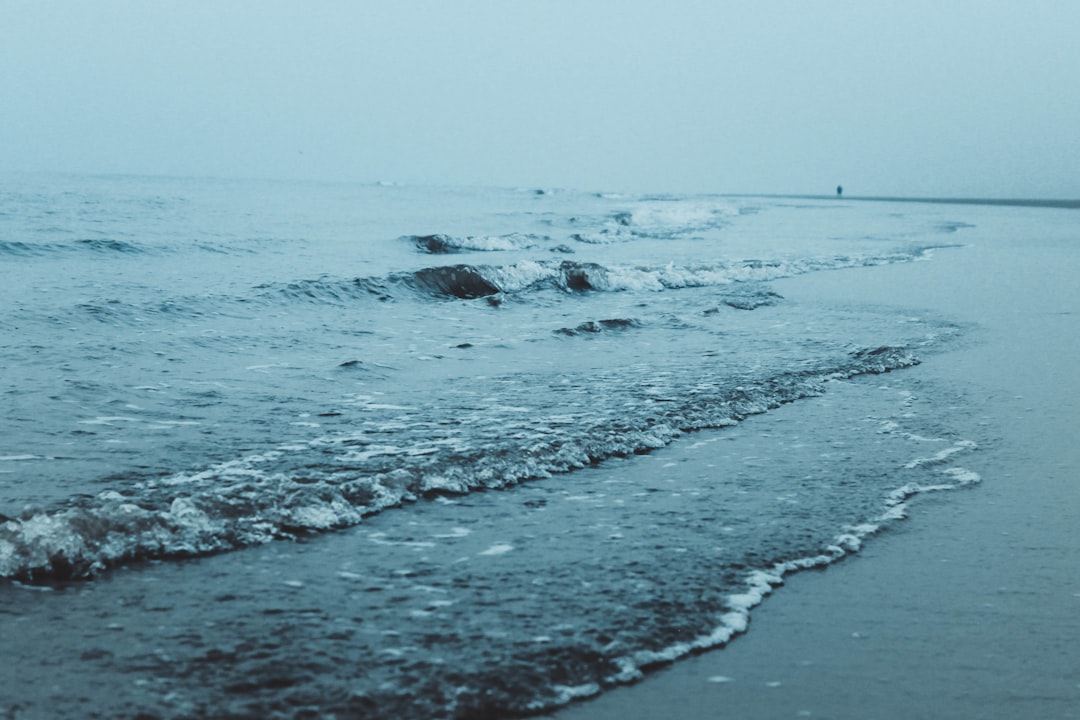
(361, 367)
(20, 248)
(751, 298)
(469, 282)
(119, 312)
(226, 249)
(580, 276)
(108, 311)
(91, 245)
(324, 290)
(109, 246)
(954, 226)
(593, 327)
(435, 244)
(464, 282)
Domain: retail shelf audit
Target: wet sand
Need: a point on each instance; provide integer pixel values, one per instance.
(970, 608)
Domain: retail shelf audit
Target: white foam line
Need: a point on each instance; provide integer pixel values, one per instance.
(32, 588)
(379, 538)
(941, 456)
(498, 549)
(456, 532)
(759, 583)
(109, 420)
(920, 438)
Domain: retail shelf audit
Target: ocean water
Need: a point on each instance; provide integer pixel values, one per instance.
(277, 449)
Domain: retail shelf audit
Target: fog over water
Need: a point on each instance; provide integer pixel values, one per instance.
(913, 98)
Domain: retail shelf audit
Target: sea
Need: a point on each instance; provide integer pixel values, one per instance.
(280, 449)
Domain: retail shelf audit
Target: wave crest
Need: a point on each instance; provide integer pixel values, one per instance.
(440, 244)
(334, 482)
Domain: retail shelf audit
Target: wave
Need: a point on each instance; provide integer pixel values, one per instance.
(742, 282)
(660, 218)
(334, 482)
(93, 245)
(593, 327)
(469, 282)
(759, 583)
(19, 248)
(322, 290)
(440, 244)
(458, 281)
(107, 246)
(443, 282)
(751, 298)
(553, 673)
(118, 312)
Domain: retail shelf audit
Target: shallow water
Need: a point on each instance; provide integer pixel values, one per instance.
(312, 390)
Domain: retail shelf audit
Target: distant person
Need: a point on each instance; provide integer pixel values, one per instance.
(839, 190)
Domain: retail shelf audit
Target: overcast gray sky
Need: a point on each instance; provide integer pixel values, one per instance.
(941, 97)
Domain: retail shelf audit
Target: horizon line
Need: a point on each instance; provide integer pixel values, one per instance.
(1061, 203)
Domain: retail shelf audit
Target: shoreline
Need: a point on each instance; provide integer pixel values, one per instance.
(1044, 203)
(971, 606)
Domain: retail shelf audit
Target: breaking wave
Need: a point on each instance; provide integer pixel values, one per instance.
(741, 280)
(439, 244)
(334, 482)
(476, 281)
(661, 219)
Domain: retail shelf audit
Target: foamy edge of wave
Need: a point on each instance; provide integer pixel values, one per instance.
(760, 583)
(475, 281)
(441, 244)
(248, 501)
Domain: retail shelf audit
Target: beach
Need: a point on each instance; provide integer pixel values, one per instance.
(293, 450)
(579, 361)
(969, 608)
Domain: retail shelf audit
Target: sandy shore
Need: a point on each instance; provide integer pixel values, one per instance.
(971, 607)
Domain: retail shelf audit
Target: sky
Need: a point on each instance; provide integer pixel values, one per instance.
(950, 98)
